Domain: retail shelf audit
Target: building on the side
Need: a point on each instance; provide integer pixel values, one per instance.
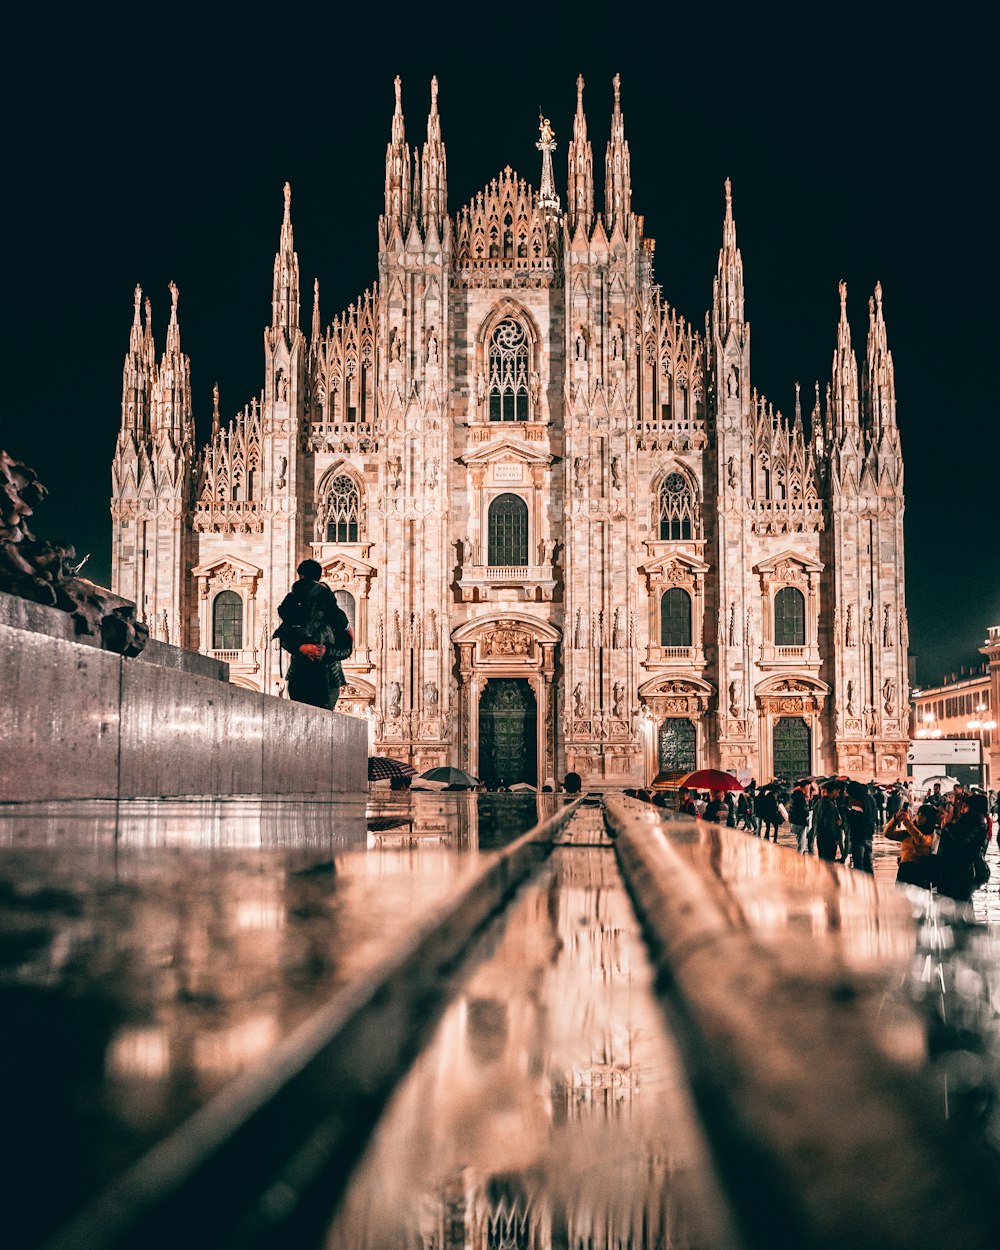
(964, 706)
(570, 533)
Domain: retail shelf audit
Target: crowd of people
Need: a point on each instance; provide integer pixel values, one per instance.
(942, 837)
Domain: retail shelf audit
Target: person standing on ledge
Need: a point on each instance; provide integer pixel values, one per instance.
(312, 625)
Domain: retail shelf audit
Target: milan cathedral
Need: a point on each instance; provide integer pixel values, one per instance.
(569, 532)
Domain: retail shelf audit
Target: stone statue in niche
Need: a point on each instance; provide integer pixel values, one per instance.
(732, 624)
(581, 345)
(617, 637)
(579, 473)
(889, 695)
(866, 628)
(735, 696)
(887, 638)
(580, 630)
(733, 384)
(851, 710)
(871, 722)
(616, 342)
(430, 632)
(849, 639)
(533, 389)
(618, 700)
(395, 700)
(430, 695)
(432, 347)
(617, 473)
(578, 701)
(397, 631)
(731, 470)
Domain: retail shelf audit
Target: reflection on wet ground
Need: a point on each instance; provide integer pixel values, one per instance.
(550, 1109)
(152, 950)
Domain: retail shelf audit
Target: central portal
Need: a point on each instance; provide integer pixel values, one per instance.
(508, 747)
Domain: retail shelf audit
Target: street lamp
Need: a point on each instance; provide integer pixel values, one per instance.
(929, 728)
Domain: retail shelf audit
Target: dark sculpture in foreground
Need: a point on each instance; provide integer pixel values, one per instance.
(41, 572)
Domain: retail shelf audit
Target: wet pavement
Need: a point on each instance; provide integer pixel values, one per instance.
(150, 951)
(154, 950)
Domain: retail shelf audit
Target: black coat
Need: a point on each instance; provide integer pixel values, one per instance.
(311, 609)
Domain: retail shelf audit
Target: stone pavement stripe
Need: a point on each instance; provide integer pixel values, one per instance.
(265, 1162)
(822, 1138)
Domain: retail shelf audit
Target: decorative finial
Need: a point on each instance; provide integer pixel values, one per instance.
(729, 194)
(138, 301)
(397, 82)
(878, 294)
(288, 199)
(843, 295)
(618, 89)
(579, 90)
(148, 306)
(172, 288)
(434, 93)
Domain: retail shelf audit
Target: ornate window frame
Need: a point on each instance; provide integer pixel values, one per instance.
(506, 467)
(342, 571)
(789, 568)
(695, 517)
(340, 468)
(230, 573)
(681, 571)
(532, 428)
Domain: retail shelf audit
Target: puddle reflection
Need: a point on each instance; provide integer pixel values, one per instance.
(550, 1109)
(150, 951)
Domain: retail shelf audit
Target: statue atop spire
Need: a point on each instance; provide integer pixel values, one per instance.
(548, 201)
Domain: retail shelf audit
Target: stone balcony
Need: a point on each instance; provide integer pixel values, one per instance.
(535, 583)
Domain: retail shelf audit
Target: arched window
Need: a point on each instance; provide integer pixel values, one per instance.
(508, 365)
(677, 516)
(675, 618)
(508, 530)
(346, 601)
(789, 618)
(227, 621)
(342, 510)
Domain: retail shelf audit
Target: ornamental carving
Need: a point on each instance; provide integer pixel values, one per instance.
(505, 641)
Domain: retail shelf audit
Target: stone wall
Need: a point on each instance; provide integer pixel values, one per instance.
(78, 722)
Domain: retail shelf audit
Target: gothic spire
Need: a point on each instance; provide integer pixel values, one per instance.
(215, 410)
(845, 375)
(548, 201)
(580, 192)
(315, 317)
(172, 414)
(434, 170)
(878, 384)
(397, 170)
(285, 294)
(728, 287)
(618, 176)
(138, 373)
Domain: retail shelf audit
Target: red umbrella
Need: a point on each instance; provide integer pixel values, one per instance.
(382, 767)
(709, 779)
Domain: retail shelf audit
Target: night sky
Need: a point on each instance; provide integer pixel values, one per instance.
(151, 153)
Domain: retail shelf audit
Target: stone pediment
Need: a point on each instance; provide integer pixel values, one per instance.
(342, 568)
(506, 451)
(511, 623)
(238, 567)
(681, 687)
(788, 561)
(674, 562)
(792, 684)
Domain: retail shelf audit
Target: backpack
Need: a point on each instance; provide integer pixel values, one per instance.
(343, 639)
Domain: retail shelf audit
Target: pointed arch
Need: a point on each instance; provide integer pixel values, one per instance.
(340, 499)
(676, 505)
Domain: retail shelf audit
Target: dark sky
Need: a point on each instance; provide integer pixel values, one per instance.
(857, 150)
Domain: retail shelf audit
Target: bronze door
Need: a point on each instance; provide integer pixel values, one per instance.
(507, 732)
(792, 748)
(678, 746)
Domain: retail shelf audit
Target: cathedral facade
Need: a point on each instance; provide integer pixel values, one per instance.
(568, 531)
